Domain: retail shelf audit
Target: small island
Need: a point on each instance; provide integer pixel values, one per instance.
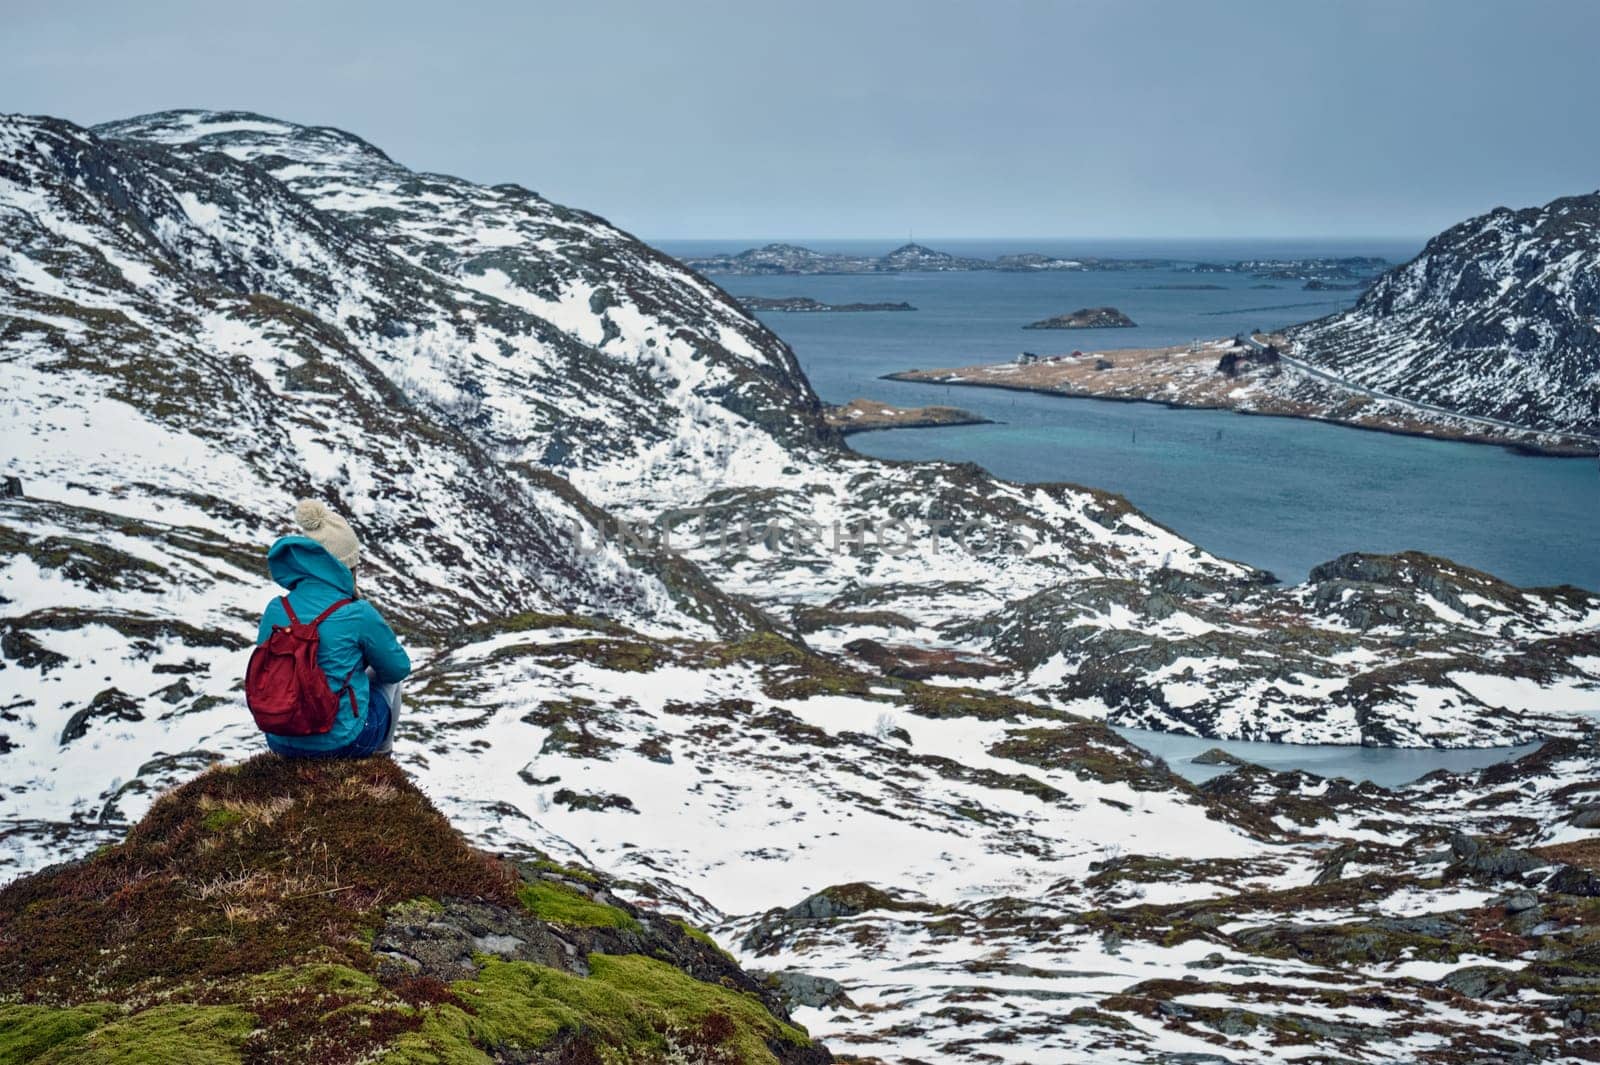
(1086, 318)
(807, 304)
(865, 415)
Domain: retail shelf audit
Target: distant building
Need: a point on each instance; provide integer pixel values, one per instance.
(1026, 358)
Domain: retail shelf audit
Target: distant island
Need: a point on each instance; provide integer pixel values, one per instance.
(1086, 318)
(808, 305)
(1328, 270)
(864, 415)
(793, 259)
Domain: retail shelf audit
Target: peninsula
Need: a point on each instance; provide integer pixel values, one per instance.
(866, 415)
(1259, 374)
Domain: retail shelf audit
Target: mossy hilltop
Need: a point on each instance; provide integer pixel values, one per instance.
(302, 911)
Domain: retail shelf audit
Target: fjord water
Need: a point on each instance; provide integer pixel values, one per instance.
(1282, 494)
(1385, 766)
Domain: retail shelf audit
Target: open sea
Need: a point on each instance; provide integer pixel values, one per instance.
(1283, 494)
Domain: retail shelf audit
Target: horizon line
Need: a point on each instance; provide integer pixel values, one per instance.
(908, 239)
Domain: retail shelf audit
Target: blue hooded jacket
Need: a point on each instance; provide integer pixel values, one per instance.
(352, 638)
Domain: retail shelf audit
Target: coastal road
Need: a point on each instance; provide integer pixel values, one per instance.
(1333, 379)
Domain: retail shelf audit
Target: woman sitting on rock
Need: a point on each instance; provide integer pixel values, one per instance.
(324, 681)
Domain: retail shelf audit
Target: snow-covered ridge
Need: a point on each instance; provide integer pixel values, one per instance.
(1498, 317)
(207, 315)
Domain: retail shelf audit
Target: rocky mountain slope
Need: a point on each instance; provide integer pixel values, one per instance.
(846, 671)
(918, 872)
(207, 315)
(1499, 317)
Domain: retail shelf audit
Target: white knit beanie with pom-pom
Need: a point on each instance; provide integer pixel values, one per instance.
(329, 530)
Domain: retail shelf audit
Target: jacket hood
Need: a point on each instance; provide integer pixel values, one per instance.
(297, 558)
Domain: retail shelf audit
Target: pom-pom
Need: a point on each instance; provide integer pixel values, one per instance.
(310, 514)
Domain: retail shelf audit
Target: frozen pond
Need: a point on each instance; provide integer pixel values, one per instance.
(1388, 766)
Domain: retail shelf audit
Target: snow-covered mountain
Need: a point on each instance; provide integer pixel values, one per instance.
(897, 674)
(209, 314)
(1499, 317)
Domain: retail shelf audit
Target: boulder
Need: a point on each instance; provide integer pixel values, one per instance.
(1490, 859)
(804, 989)
(1480, 981)
(1216, 756)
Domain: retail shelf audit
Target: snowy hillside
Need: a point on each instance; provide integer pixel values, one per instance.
(1499, 317)
(898, 676)
(209, 315)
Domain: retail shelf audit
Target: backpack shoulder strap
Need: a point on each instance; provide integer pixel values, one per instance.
(287, 609)
(324, 615)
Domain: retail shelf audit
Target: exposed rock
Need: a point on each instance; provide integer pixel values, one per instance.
(920, 663)
(1086, 318)
(1521, 902)
(599, 802)
(1481, 981)
(1493, 860)
(804, 989)
(443, 940)
(1495, 318)
(1216, 756)
(1571, 880)
(847, 900)
(110, 704)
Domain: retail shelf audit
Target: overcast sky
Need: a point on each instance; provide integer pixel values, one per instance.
(874, 118)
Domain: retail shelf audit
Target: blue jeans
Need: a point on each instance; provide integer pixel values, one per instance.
(374, 728)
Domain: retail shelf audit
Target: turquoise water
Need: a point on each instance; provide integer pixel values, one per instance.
(1282, 494)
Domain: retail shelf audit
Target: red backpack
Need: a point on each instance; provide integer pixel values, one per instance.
(286, 690)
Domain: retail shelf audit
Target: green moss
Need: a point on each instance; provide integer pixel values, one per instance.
(572, 872)
(767, 648)
(137, 915)
(932, 700)
(298, 979)
(701, 936)
(629, 1009)
(560, 904)
(273, 961)
(421, 906)
(28, 1031)
(163, 1035)
(816, 618)
(620, 656)
(220, 820)
(320, 1012)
